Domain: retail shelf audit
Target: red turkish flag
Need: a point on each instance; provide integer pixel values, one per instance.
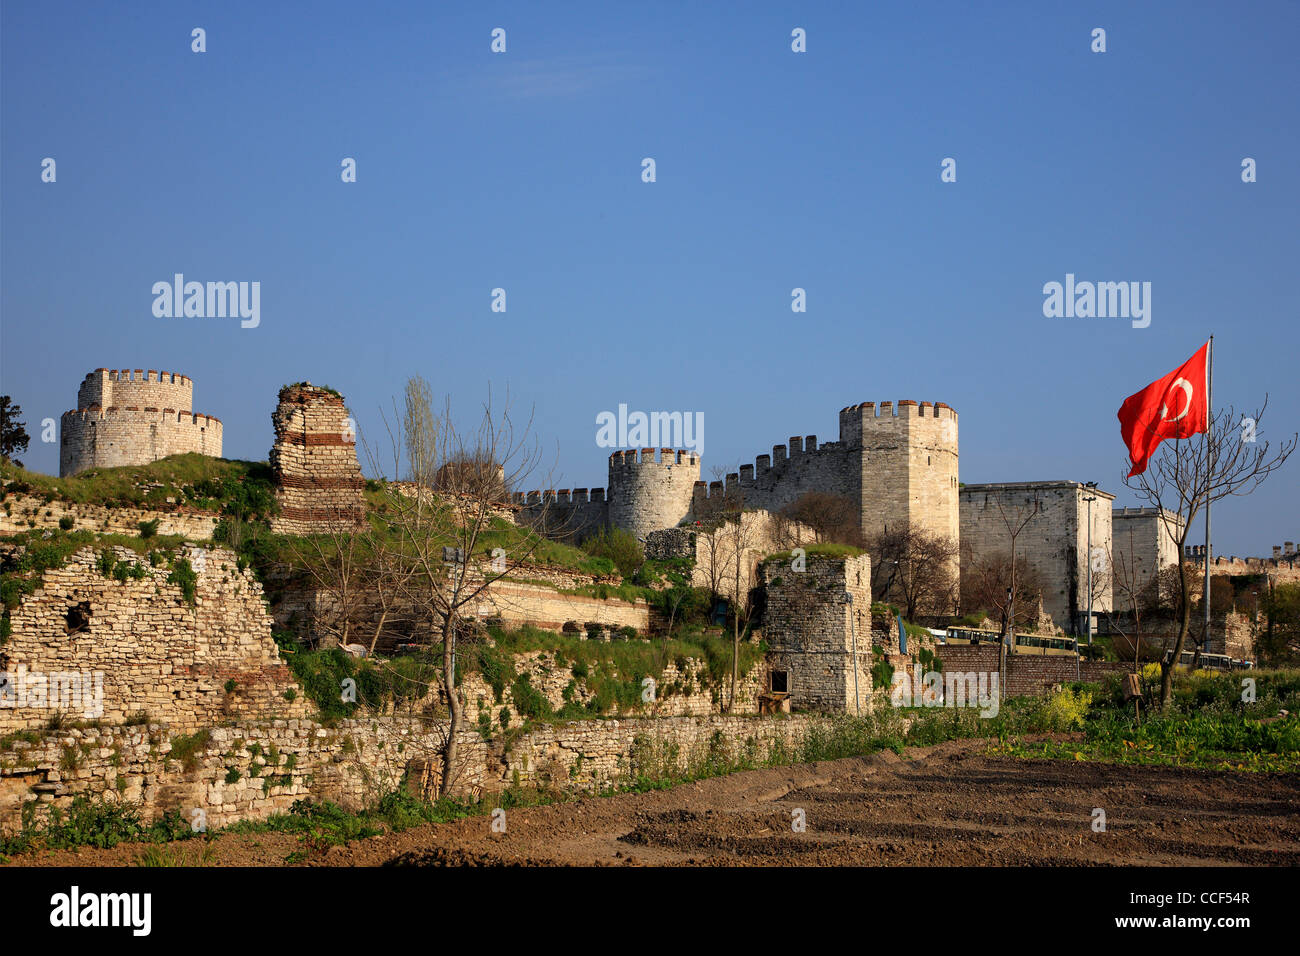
(1176, 406)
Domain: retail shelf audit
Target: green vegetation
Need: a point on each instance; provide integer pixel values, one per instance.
(379, 683)
(622, 549)
(612, 672)
(1207, 724)
(186, 578)
(194, 480)
(202, 854)
(186, 749)
(825, 549)
(94, 823)
(323, 388)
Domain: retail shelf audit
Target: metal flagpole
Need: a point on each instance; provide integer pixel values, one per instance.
(1209, 464)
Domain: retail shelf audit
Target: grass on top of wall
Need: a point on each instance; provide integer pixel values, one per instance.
(193, 480)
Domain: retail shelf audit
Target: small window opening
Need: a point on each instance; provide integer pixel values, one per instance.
(78, 618)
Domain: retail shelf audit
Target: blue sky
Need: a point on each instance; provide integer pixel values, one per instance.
(775, 170)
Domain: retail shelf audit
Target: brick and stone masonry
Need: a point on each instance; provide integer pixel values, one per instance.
(186, 665)
(132, 418)
(314, 459)
(811, 631)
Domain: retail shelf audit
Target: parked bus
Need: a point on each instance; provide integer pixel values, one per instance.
(1024, 643)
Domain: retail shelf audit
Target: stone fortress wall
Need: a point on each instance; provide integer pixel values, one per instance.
(133, 417)
(1054, 542)
(189, 665)
(898, 464)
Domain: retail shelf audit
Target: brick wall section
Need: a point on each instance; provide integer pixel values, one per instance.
(810, 630)
(318, 480)
(1027, 674)
(133, 417)
(158, 654)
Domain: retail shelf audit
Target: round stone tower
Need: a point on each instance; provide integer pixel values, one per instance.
(132, 418)
(646, 494)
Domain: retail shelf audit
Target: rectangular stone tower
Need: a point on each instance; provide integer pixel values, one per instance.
(1054, 541)
(1143, 538)
(811, 631)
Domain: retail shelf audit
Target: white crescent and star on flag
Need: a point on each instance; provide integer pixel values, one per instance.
(1186, 386)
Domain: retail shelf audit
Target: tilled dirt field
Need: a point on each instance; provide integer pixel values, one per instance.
(947, 805)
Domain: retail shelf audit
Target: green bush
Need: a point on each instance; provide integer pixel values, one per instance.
(529, 701)
(186, 578)
(618, 546)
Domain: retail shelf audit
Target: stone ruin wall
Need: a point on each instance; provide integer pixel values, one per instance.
(570, 515)
(761, 534)
(1143, 546)
(133, 417)
(27, 511)
(249, 771)
(681, 691)
(811, 631)
(158, 655)
(318, 480)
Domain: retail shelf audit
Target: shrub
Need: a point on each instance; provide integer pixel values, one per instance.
(529, 701)
(618, 546)
(186, 578)
(66, 522)
(148, 528)
(1065, 710)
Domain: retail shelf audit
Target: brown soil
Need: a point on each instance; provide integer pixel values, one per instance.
(946, 805)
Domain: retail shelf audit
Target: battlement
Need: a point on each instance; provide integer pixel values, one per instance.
(136, 413)
(1288, 559)
(667, 457)
(563, 497)
(140, 387)
(138, 375)
(906, 408)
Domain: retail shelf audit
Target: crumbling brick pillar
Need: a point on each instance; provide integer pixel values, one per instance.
(318, 480)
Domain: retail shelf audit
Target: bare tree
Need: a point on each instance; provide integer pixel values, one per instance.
(1186, 476)
(437, 530)
(985, 586)
(833, 518)
(728, 544)
(915, 569)
(335, 560)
